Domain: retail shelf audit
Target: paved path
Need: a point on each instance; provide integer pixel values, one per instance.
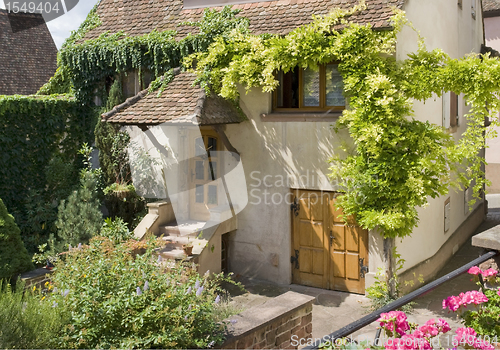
(333, 310)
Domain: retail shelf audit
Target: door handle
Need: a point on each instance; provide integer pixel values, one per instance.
(332, 238)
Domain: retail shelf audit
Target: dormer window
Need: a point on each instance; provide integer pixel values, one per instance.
(132, 84)
(310, 90)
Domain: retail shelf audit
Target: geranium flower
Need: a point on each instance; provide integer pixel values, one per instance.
(490, 273)
(443, 326)
(428, 331)
(453, 303)
(394, 319)
(474, 270)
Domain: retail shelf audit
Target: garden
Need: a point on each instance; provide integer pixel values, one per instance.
(108, 290)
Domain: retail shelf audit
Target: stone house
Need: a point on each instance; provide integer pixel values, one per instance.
(28, 54)
(252, 190)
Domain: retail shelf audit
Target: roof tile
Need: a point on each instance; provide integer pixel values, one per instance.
(136, 17)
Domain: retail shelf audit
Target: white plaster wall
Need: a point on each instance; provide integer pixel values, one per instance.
(492, 37)
(444, 25)
(276, 156)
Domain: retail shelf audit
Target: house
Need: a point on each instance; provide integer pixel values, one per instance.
(491, 13)
(253, 192)
(28, 54)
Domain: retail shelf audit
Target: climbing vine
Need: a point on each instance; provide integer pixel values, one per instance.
(397, 162)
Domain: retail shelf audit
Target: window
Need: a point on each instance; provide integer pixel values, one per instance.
(450, 110)
(310, 90)
(132, 85)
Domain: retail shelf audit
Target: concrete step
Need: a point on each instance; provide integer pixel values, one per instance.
(172, 254)
(188, 228)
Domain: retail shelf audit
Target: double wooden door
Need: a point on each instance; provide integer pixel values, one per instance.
(327, 253)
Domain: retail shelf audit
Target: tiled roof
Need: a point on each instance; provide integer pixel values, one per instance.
(28, 57)
(138, 17)
(180, 103)
(491, 5)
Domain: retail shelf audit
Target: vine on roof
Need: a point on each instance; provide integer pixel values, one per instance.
(396, 162)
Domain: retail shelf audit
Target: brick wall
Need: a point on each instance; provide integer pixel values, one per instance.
(272, 324)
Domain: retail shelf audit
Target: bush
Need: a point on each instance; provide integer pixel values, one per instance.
(14, 257)
(27, 319)
(122, 300)
(116, 230)
(79, 217)
(123, 202)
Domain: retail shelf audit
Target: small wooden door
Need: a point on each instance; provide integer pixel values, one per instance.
(330, 253)
(203, 172)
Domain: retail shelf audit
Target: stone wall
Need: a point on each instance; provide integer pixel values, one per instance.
(272, 324)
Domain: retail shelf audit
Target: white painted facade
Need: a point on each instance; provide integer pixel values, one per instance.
(272, 151)
(492, 38)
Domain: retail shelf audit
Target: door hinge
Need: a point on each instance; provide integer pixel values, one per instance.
(295, 207)
(295, 259)
(363, 270)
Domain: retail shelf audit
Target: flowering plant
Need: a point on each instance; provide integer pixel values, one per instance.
(479, 310)
(118, 299)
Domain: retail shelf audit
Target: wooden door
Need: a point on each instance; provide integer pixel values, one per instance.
(330, 252)
(203, 172)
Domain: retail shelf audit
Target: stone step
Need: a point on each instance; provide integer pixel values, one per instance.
(190, 228)
(172, 254)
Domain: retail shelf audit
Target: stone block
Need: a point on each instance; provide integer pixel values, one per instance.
(284, 327)
(489, 239)
(309, 328)
(271, 338)
(283, 337)
(306, 319)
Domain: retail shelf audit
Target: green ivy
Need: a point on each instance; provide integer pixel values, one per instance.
(397, 162)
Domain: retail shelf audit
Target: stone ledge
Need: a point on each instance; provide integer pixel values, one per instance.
(489, 239)
(274, 312)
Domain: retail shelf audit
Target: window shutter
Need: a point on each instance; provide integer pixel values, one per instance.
(453, 109)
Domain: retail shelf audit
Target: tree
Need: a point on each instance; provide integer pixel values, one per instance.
(14, 257)
(79, 217)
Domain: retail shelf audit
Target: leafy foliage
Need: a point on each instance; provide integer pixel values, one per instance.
(14, 258)
(27, 319)
(379, 117)
(116, 230)
(149, 306)
(79, 217)
(90, 62)
(39, 166)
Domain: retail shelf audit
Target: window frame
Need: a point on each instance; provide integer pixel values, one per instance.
(322, 96)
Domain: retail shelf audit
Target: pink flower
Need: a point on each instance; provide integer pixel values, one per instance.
(490, 273)
(394, 320)
(453, 303)
(466, 336)
(428, 331)
(407, 341)
(483, 344)
(443, 326)
(498, 292)
(475, 270)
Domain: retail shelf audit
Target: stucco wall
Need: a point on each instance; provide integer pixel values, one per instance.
(276, 156)
(261, 246)
(492, 36)
(458, 34)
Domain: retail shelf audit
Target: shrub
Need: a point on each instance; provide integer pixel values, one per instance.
(79, 217)
(116, 230)
(123, 300)
(14, 257)
(27, 319)
(123, 202)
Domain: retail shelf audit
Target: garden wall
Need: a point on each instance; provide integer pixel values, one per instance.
(272, 324)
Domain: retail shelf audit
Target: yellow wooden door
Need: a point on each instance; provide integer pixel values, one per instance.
(330, 253)
(203, 172)
(310, 241)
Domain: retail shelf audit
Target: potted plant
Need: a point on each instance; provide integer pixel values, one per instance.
(188, 248)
